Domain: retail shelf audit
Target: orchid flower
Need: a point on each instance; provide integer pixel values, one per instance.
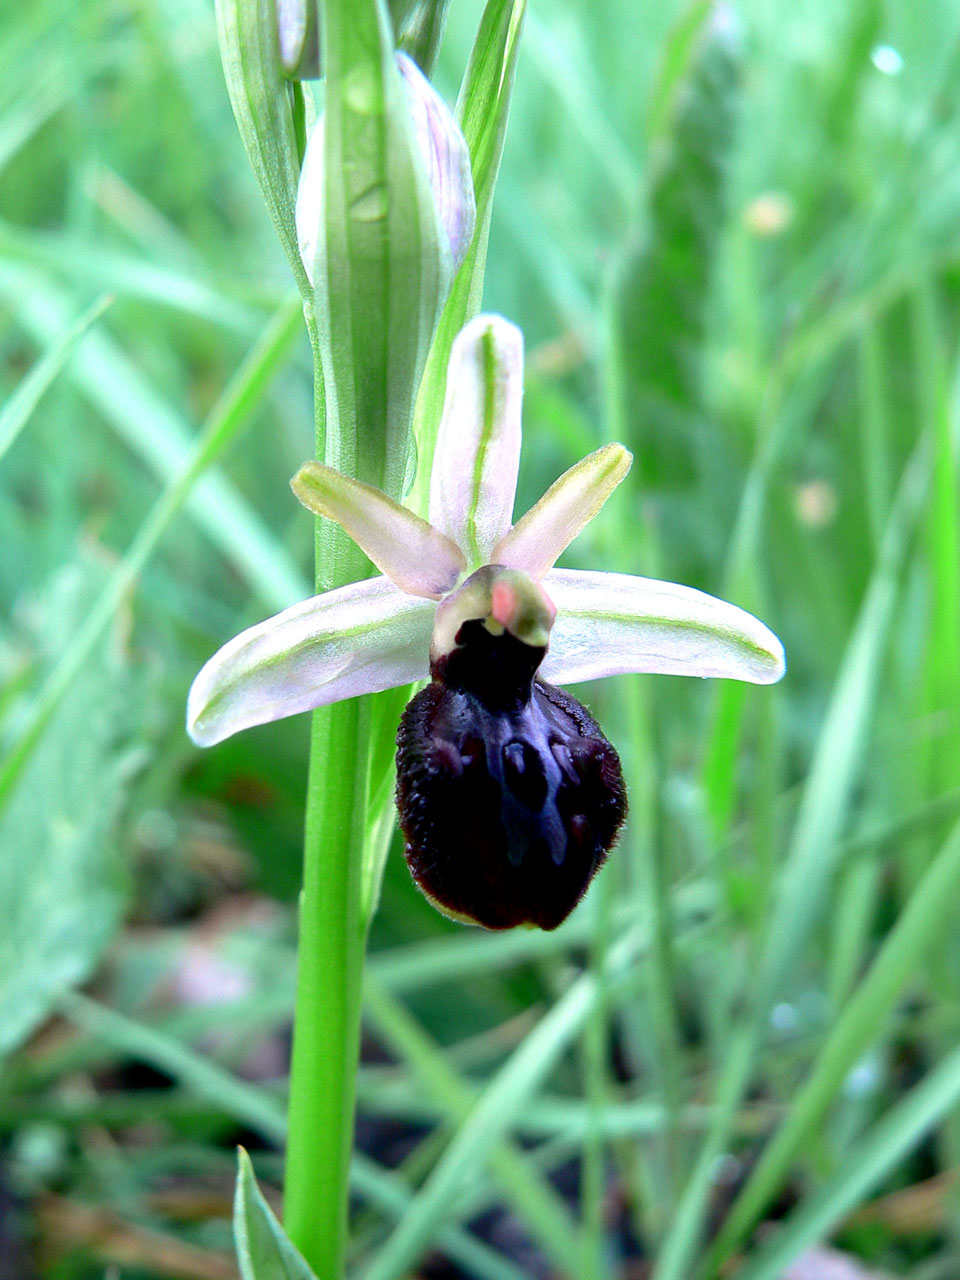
(509, 794)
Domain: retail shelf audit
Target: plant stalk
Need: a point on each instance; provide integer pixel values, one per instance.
(331, 945)
(329, 983)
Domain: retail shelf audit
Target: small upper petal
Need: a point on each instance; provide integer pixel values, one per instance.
(474, 479)
(610, 623)
(536, 541)
(361, 638)
(414, 555)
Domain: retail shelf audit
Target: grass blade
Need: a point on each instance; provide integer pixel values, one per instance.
(82, 260)
(19, 408)
(531, 1197)
(501, 1100)
(813, 851)
(918, 928)
(868, 1161)
(156, 433)
(257, 1109)
(223, 425)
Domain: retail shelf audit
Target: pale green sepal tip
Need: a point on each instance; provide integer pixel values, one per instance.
(414, 555)
(537, 540)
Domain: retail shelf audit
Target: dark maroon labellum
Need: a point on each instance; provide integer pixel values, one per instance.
(509, 794)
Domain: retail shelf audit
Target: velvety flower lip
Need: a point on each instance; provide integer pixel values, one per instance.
(377, 634)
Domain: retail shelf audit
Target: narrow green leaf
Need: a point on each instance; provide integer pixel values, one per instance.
(665, 279)
(24, 121)
(937, 405)
(483, 108)
(860, 26)
(869, 1160)
(722, 753)
(61, 877)
(859, 889)
(922, 923)
(502, 1099)
(814, 847)
(875, 426)
(144, 420)
(388, 1192)
(83, 259)
(260, 1110)
(264, 1250)
(942, 535)
(17, 411)
(562, 63)
(812, 857)
(787, 407)
(533, 1198)
(261, 101)
(679, 50)
(460, 958)
(223, 425)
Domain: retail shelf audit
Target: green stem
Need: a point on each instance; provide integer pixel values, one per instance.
(332, 940)
(329, 983)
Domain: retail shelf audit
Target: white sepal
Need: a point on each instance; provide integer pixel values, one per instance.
(474, 479)
(414, 555)
(536, 541)
(358, 639)
(611, 623)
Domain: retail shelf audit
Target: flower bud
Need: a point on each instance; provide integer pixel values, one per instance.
(299, 39)
(445, 156)
(445, 153)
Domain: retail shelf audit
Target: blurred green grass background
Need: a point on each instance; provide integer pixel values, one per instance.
(733, 242)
